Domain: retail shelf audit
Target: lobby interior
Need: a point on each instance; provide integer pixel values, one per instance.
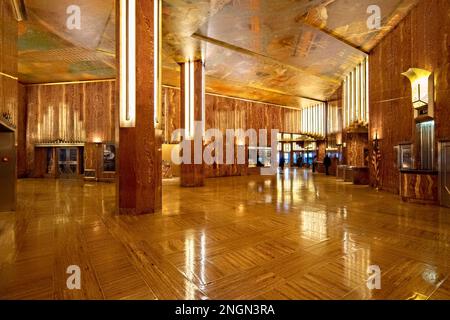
(353, 98)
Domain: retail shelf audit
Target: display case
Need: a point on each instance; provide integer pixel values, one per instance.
(405, 156)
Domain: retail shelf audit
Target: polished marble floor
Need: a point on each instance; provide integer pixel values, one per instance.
(295, 236)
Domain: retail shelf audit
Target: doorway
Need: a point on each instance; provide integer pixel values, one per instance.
(69, 163)
(7, 170)
(444, 173)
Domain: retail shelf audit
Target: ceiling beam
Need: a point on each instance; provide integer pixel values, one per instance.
(261, 56)
(336, 36)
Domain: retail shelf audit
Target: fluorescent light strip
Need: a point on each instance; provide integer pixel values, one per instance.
(131, 61)
(192, 98)
(367, 89)
(186, 100)
(358, 92)
(203, 100)
(157, 61)
(127, 63)
(123, 62)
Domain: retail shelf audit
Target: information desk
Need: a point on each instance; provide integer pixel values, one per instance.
(420, 186)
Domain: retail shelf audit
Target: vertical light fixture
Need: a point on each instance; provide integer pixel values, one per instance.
(189, 98)
(203, 97)
(157, 36)
(356, 95)
(127, 63)
(367, 90)
(344, 100)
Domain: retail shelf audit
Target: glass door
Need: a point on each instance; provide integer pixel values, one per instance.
(68, 163)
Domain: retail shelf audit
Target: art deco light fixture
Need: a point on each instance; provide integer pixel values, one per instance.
(189, 98)
(313, 120)
(128, 63)
(157, 30)
(356, 96)
(422, 89)
(189, 95)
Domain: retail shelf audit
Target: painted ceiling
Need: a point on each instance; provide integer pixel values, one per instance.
(279, 51)
(50, 52)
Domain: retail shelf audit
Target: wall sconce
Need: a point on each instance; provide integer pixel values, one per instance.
(127, 63)
(376, 141)
(97, 140)
(422, 91)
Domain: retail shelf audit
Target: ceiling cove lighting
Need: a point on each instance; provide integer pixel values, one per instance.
(127, 63)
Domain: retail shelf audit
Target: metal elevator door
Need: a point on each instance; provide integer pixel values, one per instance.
(68, 163)
(7, 172)
(444, 173)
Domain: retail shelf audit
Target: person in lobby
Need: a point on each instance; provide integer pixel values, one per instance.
(327, 164)
(282, 161)
(299, 162)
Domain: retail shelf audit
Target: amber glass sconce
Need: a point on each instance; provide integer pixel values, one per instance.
(422, 85)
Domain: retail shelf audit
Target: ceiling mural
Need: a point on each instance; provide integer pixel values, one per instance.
(278, 51)
(50, 52)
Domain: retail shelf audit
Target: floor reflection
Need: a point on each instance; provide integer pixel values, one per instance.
(296, 235)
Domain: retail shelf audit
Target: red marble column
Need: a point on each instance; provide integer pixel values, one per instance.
(139, 185)
(192, 175)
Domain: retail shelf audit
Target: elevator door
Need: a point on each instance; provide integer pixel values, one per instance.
(68, 163)
(444, 173)
(7, 172)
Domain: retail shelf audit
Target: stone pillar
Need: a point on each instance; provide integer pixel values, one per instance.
(192, 108)
(139, 180)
